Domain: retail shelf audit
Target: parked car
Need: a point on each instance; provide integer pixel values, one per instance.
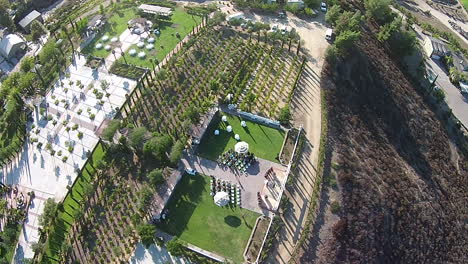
(323, 7)
(191, 171)
(329, 35)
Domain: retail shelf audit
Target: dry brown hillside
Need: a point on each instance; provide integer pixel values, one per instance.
(402, 182)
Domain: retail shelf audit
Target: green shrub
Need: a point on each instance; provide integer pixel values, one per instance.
(335, 207)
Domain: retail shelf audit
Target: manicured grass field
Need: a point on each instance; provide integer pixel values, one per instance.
(195, 219)
(65, 217)
(465, 4)
(264, 142)
(180, 22)
(114, 27)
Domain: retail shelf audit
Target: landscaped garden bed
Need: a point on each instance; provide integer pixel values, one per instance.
(264, 142)
(127, 71)
(256, 241)
(288, 147)
(196, 219)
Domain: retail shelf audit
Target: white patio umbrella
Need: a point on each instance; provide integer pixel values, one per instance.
(243, 123)
(141, 54)
(221, 198)
(132, 52)
(241, 147)
(107, 47)
(229, 129)
(105, 38)
(99, 46)
(237, 137)
(140, 44)
(216, 132)
(114, 39)
(149, 46)
(151, 40)
(224, 118)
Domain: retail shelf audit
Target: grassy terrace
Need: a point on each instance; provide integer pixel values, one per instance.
(66, 216)
(265, 142)
(194, 218)
(180, 22)
(114, 27)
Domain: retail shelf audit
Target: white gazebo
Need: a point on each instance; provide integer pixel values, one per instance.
(243, 123)
(221, 198)
(237, 137)
(229, 129)
(224, 118)
(242, 147)
(216, 132)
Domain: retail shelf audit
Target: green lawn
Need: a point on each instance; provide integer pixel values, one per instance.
(265, 142)
(180, 22)
(115, 26)
(65, 218)
(194, 218)
(465, 4)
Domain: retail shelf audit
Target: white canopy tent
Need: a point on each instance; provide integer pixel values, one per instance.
(237, 137)
(221, 198)
(241, 147)
(243, 123)
(216, 132)
(157, 10)
(229, 129)
(224, 118)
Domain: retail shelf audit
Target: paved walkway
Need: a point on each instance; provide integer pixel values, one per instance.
(250, 184)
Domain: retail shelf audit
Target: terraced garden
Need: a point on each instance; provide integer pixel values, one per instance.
(215, 63)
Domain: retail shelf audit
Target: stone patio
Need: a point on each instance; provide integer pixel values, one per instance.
(250, 183)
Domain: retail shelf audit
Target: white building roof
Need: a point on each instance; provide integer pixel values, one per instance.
(158, 10)
(29, 18)
(8, 43)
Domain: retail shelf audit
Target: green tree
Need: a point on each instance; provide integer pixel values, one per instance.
(109, 131)
(37, 30)
(175, 247)
(285, 115)
(156, 177)
(348, 21)
(147, 233)
(176, 152)
(49, 213)
(5, 19)
(218, 18)
(82, 25)
(27, 64)
(346, 40)
(312, 3)
(158, 146)
(37, 247)
(379, 10)
(137, 137)
(332, 15)
(403, 43)
(192, 114)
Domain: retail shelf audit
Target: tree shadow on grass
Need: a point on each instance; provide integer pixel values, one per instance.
(232, 221)
(183, 203)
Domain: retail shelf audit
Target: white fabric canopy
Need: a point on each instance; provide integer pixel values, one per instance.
(237, 137)
(243, 124)
(241, 147)
(99, 46)
(229, 128)
(132, 52)
(221, 198)
(107, 47)
(224, 118)
(114, 39)
(140, 44)
(105, 38)
(216, 132)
